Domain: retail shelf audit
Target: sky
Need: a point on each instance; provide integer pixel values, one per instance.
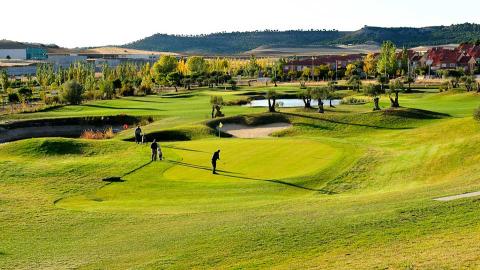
(88, 23)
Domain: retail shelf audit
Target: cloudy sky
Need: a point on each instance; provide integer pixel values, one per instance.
(77, 23)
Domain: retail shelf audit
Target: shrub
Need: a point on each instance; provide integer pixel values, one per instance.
(97, 134)
(51, 100)
(117, 84)
(476, 114)
(233, 84)
(25, 93)
(145, 89)
(353, 101)
(72, 92)
(13, 97)
(127, 90)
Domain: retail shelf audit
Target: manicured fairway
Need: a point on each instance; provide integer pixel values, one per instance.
(349, 189)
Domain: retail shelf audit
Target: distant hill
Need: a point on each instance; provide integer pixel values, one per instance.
(241, 42)
(9, 44)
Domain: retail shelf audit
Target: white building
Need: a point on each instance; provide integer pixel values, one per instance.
(65, 60)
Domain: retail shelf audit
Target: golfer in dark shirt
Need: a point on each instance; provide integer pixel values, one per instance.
(154, 147)
(215, 157)
(138, 135)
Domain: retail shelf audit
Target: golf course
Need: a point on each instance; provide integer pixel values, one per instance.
(350, 188)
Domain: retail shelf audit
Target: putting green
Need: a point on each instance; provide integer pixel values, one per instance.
(254, 171)
(243, 159)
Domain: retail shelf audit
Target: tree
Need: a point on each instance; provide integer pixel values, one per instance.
(383, 80)
(404, 59)
(455, 76)
(351, 70)
(272, 100)
(233, 84)
(374, 91)
(292, 74)
(106, 89)
(217, 103)
(306, 96)
(164, 65)
(72, 92)
(306, 73)
(355, 82)
(331, 87)
(320, 93)
(395, 87)
(369, 64)
(197, 65)
(252, 66)
(469, 82)
(409, 80)
(387, 61)
(4, 81)
(174, 79)
(186, 82)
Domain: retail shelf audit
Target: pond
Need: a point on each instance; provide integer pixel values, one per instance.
(290, 103)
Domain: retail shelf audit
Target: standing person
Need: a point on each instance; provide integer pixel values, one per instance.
(138, 135)
(154, 147)
(160, 153)
(215, 157)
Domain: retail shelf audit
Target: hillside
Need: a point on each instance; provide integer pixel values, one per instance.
(241, 42)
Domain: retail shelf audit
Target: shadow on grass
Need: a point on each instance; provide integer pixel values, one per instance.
(323, 191)
(194, 166)
(183, 149)
(346, 123)
(144, 101)
(117, 108)
(118, 179)
(237, 176)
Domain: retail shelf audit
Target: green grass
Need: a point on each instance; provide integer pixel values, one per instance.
(349, 189)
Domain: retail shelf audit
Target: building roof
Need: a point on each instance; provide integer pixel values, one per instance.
(440, 55)
(326, 59)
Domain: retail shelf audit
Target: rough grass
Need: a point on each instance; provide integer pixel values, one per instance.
(349, 189)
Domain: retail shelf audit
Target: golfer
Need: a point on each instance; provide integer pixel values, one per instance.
(154, 147)
(215, 157)
(138, 135)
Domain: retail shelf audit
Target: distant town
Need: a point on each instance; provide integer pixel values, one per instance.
(22, 59)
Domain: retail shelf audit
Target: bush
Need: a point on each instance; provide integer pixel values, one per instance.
(233, 84)
(353, 101)
(72, 92)
(51, 100)
(127, 90)
(117, 84)
(476, 114)
(97, 135)
(13, 97)
(144, 90)
(25, 93)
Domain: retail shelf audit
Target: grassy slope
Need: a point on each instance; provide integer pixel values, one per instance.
(351, 185)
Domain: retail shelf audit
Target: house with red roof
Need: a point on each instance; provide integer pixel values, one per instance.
(443, 58)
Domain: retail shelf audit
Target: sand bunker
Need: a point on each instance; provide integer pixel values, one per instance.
(243, 131)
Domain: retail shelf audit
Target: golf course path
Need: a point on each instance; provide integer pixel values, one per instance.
(243, 131)
(460, 196)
